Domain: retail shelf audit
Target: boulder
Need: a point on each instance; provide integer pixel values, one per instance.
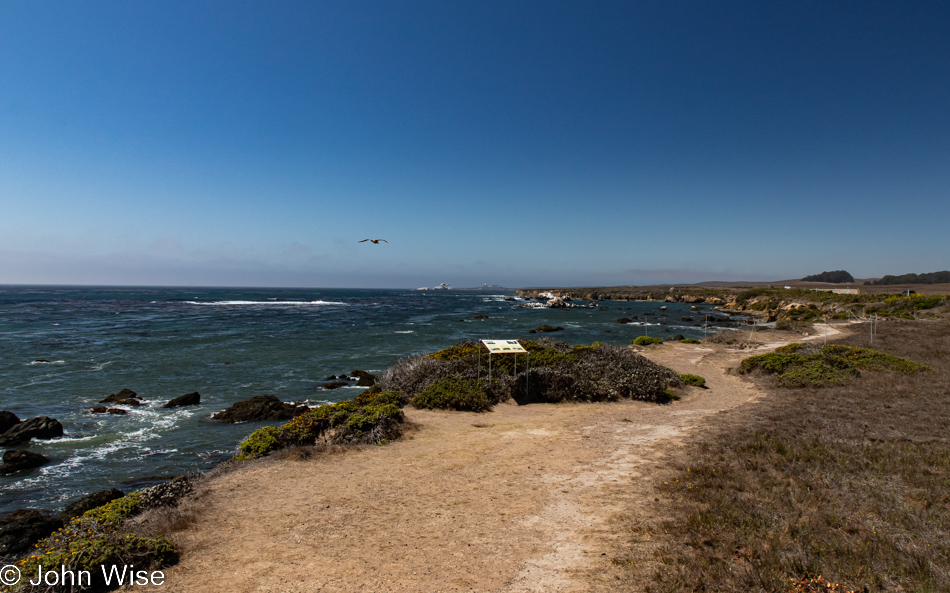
(334, 384)
(624, 320)
(557, 303)
(7, 421)
(14, 461)
(126, 397)
(365, 379)
(548, 328)
(99, 409)
(41, 427)
(116, 411)
(259, 407)
(480, 316)
(189, 399)
(20, 530)
(89, 502)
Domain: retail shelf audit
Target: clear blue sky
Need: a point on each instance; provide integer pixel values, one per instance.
(518, 143)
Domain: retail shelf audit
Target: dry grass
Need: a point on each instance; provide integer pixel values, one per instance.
(849, 482)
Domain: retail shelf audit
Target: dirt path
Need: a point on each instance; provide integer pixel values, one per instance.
(518, 499)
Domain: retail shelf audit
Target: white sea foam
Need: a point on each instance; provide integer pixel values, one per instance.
(267, 303)
(406, 331)
(47, 362)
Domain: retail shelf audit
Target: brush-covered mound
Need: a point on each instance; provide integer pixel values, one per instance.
(102, 538)
(373, 417)
(457, 377)
(806, 365)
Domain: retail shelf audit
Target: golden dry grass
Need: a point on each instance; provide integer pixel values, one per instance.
(850, 482)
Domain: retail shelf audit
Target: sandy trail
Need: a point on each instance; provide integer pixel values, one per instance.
(518, 499)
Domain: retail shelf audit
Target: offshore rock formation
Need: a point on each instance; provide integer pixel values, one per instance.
(41, 427)
(14, 461)
(259, 407)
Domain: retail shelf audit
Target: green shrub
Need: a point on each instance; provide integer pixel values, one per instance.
(98, 539)
(690, 341)
(693, 380)
(646, 341)
(372, 417)
(558, 372)
(454, 393)
(801, 365)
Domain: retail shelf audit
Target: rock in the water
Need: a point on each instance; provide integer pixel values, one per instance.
(89, 502)
(480, 316)
(548, 328)
(14, 461)
(22, 529)
(126, 397)
(365, 379)
(334, 384)
(189, 399)
(7, 421)
(624, 320)
(41, 427)
(259, 407)
(99, 410)
(116, 411)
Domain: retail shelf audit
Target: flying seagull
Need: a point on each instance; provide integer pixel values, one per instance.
(373, 241)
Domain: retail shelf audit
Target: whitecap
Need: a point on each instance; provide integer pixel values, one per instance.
(408, 331)
(47, 362)
(267, 303)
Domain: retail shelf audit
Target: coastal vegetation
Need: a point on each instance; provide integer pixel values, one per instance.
(103, 537)
(817, 489)
(693, 380)
(373, 417)
(931, 278)
(805, 365)
(835, 277)
(553, 371)
(646, 341)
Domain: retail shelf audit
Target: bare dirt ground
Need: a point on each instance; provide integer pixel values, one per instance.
(524, 498)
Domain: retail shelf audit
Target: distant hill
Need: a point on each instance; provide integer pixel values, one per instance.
(835, 277)
(931, 278)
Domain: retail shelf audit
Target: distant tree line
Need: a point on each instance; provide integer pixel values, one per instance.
(931, 278)
(837, 277)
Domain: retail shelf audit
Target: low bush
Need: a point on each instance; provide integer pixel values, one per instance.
(646, 341)
(800, 365)
(454, 393)
(558, 372)
(371, 418)
(690, 341)
(693, 380)
(98, 539)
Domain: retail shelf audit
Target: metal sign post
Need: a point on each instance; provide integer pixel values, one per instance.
(507, 347)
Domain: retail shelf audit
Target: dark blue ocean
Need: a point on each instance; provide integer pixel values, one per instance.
(229, 345)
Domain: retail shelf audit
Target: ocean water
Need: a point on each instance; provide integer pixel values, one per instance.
(229, 345)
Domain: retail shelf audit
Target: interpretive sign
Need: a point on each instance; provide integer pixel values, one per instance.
(510, 346)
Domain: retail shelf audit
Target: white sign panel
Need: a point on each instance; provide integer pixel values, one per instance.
(510, 346)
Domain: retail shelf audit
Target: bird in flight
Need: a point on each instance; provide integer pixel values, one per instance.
(373, 241)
